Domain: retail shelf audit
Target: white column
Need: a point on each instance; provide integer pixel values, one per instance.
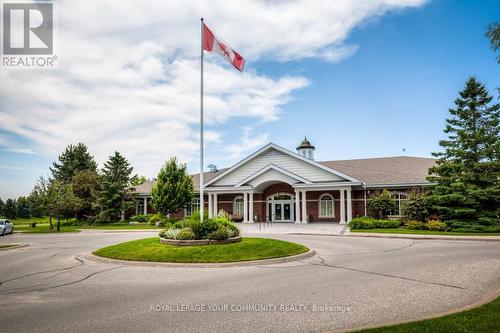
(145, 206)
(297, 206)
(251, 208)
(216, 209)
(349, 205)
(210, 209)
(245, 207)
(342, 206)
(304, 207)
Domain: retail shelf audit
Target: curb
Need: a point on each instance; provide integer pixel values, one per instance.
(14, 246)
(410, 236)
(486, 299)
(281, 260)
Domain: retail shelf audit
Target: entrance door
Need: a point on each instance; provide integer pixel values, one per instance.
(281, 208)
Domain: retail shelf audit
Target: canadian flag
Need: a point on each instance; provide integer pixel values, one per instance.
(212, 44)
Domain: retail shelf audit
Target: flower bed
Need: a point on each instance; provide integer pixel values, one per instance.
(195, 242)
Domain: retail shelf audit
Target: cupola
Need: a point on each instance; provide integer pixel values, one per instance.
(306, 149)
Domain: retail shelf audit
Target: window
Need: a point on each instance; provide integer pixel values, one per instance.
(400, 198)
(238, 206)
(326, 206)
(193, 206)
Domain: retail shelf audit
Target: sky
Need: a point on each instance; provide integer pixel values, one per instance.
(358, 78)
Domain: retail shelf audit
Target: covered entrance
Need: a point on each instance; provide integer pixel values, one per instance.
(280, 208)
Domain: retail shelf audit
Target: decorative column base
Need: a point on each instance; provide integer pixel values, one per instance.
(301, 222)
(342, 222)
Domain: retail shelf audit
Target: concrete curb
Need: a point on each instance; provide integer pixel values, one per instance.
(425, 237)
(486, 299)
(14, 246)
(281, 260)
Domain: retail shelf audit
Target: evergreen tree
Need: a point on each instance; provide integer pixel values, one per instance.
(173, 189)
(137, 180)
(23, 208)
(85, 186)
(115, 186)
(2, 205)
(493, 33)
(73, 159)
(10, 210)
(467, 174)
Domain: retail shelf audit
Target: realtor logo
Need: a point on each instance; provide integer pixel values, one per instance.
(27, 28)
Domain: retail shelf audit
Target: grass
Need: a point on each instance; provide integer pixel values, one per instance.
(150, 249)
(426, 232)
(43, 228)
(483, 319)
(6, 246)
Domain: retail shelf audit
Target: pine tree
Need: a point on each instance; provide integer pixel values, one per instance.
(10, 210)
(23, 208)
(2, 205)
(173, 189)
(115, 187)
(72, 160)
(137, 180)
(85, 185)
(467, 174)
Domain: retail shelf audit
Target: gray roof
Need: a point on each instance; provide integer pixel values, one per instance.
(385, 170)
(372, 171)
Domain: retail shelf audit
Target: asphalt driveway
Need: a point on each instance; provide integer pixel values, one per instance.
(352, 282)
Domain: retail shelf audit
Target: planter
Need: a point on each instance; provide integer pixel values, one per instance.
(197, 242)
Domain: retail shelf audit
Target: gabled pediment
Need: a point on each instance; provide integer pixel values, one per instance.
(275, 159)
(272, 173)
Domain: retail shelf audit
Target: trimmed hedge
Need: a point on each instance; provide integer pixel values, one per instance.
(371, 223)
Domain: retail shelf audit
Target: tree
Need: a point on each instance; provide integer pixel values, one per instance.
(115, 187)
(2, 205)
(137, 180)
(467, 174)
(23, 208)
(72, 160)
(85, 186)
(380, 205)
(10, 209)
(173, 189)
(493, 33)
(62, 202)
(41, 198)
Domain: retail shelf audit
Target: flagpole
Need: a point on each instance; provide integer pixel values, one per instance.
(202, 204)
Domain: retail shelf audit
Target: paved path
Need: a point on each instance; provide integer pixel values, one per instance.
(50, 286)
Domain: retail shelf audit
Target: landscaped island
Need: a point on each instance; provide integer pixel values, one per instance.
(150, 249)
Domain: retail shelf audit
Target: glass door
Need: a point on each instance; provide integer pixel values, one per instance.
(286, 212)
(278, 212)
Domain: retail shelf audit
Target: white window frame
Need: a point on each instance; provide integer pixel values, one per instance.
(235, 201)
(398, 197)
(319, 205)
(193, 206)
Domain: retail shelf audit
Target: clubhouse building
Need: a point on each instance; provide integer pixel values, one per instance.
(275, 184)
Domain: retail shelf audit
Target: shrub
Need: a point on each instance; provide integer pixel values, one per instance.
(185, 234)
(170, 233)
(416, 225)
(436, 225)
(371, 223)
(139, 218)
(220, 234)
(417, 206)
(206, 228)
(228, 224)
(154, 218)
(381, 204)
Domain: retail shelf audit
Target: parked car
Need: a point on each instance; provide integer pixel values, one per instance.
(6, 227)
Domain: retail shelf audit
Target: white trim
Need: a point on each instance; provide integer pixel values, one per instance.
(228, 189)
(234, 204)
(319, 205)
(325, 186)
(276, 168)
(284, 151)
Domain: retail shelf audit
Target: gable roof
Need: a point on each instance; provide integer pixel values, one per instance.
(386, 170)
(270, 146)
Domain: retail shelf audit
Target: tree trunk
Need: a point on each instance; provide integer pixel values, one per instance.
(58, 224)
(51, 226)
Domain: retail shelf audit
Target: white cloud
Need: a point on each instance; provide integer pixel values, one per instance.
(128, 73)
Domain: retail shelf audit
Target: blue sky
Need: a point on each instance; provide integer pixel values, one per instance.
(392, 93)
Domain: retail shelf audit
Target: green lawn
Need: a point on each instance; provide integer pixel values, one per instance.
(484, 319)
(43, 228)
(426, 232)
(150, 249)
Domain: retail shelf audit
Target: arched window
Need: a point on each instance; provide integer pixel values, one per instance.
(326, 205)
(238, 206)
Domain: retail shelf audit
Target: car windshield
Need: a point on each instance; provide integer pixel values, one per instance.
(1, 222)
